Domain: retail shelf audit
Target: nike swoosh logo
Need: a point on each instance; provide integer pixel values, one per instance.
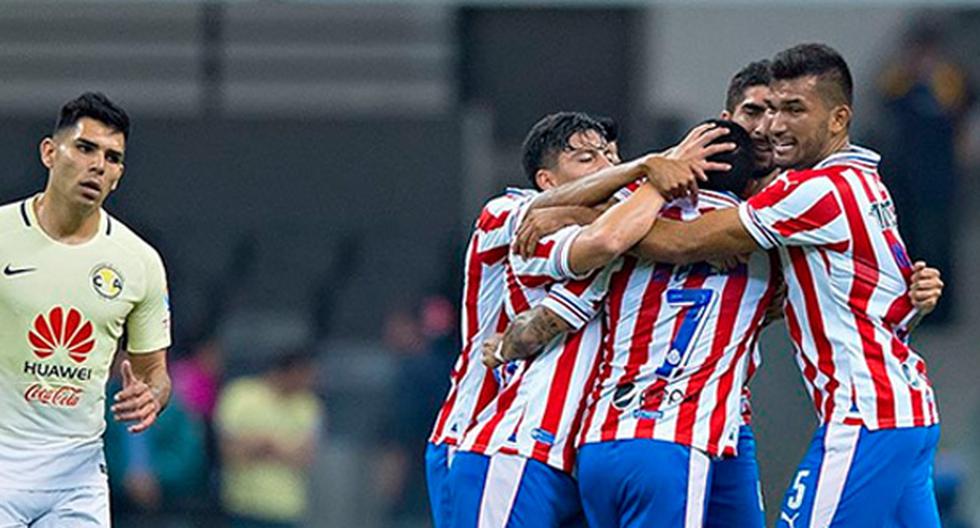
(10, 272)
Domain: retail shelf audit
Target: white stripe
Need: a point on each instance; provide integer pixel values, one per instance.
(840, 443)
(697, 483)
(500, 490)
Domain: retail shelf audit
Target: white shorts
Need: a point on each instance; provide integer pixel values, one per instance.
(83, 507)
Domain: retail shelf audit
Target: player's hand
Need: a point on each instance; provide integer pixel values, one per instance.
(926, 287)
(672, 178)
(539, 223)
(490, 346)
(135, 402)
(695, 149)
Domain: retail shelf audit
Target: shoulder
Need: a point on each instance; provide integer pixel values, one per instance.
(127, 240)
(14, 216)
(499, 208)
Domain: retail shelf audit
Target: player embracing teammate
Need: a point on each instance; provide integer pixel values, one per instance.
(664, 441)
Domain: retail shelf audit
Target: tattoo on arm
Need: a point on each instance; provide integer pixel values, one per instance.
(530, 331)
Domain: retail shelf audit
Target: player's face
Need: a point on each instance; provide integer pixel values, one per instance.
(587, 152)
(800, 126)
(85, 162)
(751, 113)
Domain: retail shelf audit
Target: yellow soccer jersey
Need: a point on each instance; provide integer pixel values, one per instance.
(63, 310)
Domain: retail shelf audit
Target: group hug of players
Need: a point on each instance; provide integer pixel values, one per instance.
(611, 321)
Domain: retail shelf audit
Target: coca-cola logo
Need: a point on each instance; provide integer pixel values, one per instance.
(54, 396)
(61, 328)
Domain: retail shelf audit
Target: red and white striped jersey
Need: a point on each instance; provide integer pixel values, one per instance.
(679, 346)
(472, 386)
(847, 274)
(538, 414)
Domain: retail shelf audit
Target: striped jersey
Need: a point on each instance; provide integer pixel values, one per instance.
(679, 346)
(847, 274)
(538, 414)
(472, 386)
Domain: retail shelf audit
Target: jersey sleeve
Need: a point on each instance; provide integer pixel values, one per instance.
(795, 211)
(578, 301)
(148, 325)
(550, 261)
(626, 192)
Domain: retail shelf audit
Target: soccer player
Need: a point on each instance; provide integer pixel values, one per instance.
(569, 145)
(848, 308)
(75, 280)
(513, 467)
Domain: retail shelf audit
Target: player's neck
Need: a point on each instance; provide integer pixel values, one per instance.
(65, 222)
(835, 145)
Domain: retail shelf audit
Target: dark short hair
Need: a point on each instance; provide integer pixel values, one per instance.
(820, 60)
(549, 137)
(94, 105)
(610, 128)
(742, 160)
(754, 74)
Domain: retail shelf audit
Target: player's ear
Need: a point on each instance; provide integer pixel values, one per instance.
(840, 119)
(545, 179)
(46, 149)
(115, 184)
(725, 115)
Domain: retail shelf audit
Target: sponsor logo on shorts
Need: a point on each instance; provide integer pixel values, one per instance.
(65, 396)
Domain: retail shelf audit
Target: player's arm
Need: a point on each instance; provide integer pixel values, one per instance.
(146, 390)
(599, 187)
(524, 337)
(615, 231)
(925, 289)
(716, 235)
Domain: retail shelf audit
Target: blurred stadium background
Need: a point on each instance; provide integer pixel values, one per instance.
(309, 171)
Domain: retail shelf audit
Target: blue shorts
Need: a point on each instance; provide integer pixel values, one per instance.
(511, 491)
(437, 458)
(735, 498)
(853, 477)
(644, 484)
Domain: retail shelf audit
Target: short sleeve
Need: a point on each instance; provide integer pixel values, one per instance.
(550, 261)
(148, 325)
(578, 301)
(795, 211)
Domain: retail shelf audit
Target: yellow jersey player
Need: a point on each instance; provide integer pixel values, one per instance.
(73, 282)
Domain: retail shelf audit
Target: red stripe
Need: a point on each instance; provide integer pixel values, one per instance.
(504, 400)
(518, 299)
(809, 371)
(645, 428)
(821, 213)
(658, 277)
(558, 393)
(568, 456)
(825, 352)
(729, 307)
(719, 414)
(489, 221)
(862, 287)
(543, 249)
(617, 290)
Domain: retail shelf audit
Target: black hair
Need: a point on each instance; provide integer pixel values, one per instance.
(549, 137)
(820, 60)
(742, 160)
(754, 74)
(610, 128)
(94, 105)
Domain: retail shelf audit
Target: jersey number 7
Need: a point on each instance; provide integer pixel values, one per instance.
(695, 304)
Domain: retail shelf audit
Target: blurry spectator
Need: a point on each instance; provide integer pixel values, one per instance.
(927, 96)
(269, 427)
(197, 376)
(424, 345)
(161, 470)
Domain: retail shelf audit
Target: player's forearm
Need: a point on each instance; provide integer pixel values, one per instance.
(591, 190)
(530, 331)
(152, 369)
(616, 231)
(716, 235)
